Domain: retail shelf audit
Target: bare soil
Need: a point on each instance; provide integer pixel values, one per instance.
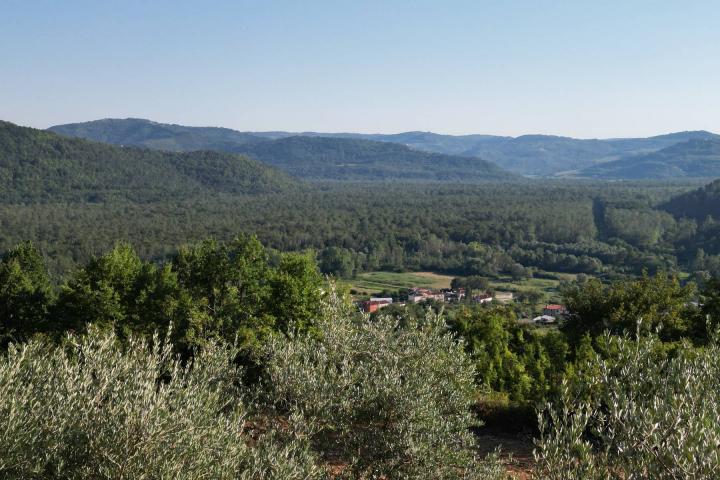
(515, 452)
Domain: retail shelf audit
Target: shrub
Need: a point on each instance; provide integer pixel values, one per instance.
(387, 400)
(88, 410)
(640, 414)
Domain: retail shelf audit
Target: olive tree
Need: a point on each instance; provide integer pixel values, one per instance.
(641, 413)
(89, 410)
(387, 400)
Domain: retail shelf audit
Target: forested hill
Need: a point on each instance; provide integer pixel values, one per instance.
(37, 165)
(310, 156)
(543, 155)
(159, 136)
(360, 160)
(693, 158)
(697, 204)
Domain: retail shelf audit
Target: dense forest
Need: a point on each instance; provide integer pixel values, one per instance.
(38, 166)
(696, 204)
(345, 159)
(600, 229)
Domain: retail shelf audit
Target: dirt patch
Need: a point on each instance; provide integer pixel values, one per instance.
(515, 453)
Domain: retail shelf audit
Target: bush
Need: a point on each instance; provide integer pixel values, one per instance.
(387, 400)
(89, 410)
(639, 414)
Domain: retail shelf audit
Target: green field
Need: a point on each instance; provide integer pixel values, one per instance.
(374, 282)
(370, 283)
(549, 287)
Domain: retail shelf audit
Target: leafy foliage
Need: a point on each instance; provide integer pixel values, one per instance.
(640, 414)
(91, 410)
(372, 398)
(510, 359)
(210, 290)
(659, 301)
(391, 401)
(25, 294)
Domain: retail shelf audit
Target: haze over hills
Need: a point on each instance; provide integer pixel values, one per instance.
(535, 155)
(37, 165)
(692, 158)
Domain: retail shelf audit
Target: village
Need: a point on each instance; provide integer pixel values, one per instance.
(551, 313)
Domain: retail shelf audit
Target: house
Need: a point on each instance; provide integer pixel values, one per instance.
(483, 298)
(418, 295)
(555, 310)
(453, 295)
(386, 300)
(375, 304)
(545, 319)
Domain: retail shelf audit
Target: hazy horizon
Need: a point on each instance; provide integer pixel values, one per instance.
(583, 70)
(366, 133)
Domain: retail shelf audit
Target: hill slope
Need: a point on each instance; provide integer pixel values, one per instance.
(323, 158)
(543, 155)
(693, 158)
(158, 136)
(38, 165)
(697, 204)
(310, 155)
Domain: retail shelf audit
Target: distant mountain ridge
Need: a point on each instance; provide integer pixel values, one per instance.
(309, 156)
(139, 132)
(349, 159)
(693, 158)
(37, 165)
(534, 155)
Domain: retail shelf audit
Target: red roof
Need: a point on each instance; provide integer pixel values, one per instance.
(554, 307)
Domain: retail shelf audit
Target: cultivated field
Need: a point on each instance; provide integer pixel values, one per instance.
(374, 282)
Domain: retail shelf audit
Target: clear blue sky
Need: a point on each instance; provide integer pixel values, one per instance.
(578, 68)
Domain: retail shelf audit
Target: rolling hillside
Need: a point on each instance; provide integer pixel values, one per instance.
(37, 165)
(320, 158)
(697, 204)
(693, 158)
(158, 136)
(311, 156)
(536, 155)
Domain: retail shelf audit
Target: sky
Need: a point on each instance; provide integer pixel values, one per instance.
(585, 69)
